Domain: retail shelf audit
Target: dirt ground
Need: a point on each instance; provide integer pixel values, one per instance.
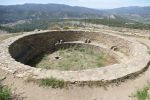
(124, 91)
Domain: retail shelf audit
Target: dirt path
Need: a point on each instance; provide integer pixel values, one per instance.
(122, 92)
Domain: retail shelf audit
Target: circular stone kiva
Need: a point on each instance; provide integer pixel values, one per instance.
(16, 51)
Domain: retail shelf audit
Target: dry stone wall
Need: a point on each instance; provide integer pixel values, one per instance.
(27, 47)
(16, 51)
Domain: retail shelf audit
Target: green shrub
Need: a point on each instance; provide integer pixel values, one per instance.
(142, 94)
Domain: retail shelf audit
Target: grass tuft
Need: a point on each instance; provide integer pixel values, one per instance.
(5, 93)
(143, 94)
(52, 82)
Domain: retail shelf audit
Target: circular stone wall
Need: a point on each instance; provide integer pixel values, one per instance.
(73, 56)
(23, 48)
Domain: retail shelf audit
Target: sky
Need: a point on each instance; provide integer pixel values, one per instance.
(99, 4)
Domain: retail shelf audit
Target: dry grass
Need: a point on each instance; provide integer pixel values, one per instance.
(73, 58)
(56, 83)
(6, 36)
(52, 82)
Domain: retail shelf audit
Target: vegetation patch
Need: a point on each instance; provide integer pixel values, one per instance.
(48, 82)
(55, 83)
(143, 94)
(44, 24)
(66, 28)
(72, 58)
(52, 82)
(148, 51)
(5, 93)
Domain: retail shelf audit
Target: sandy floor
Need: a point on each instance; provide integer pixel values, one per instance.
(122, 92)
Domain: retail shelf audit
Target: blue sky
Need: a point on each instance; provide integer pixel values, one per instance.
(100, 4)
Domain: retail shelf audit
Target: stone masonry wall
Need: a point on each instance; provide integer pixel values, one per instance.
(27, 47)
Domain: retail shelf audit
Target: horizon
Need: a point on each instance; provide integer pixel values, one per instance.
(96, 4)
(75, 5)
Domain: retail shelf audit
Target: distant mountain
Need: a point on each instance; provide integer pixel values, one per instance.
(132, 10)
(45, 11)
(141, 14)
(13, 13)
